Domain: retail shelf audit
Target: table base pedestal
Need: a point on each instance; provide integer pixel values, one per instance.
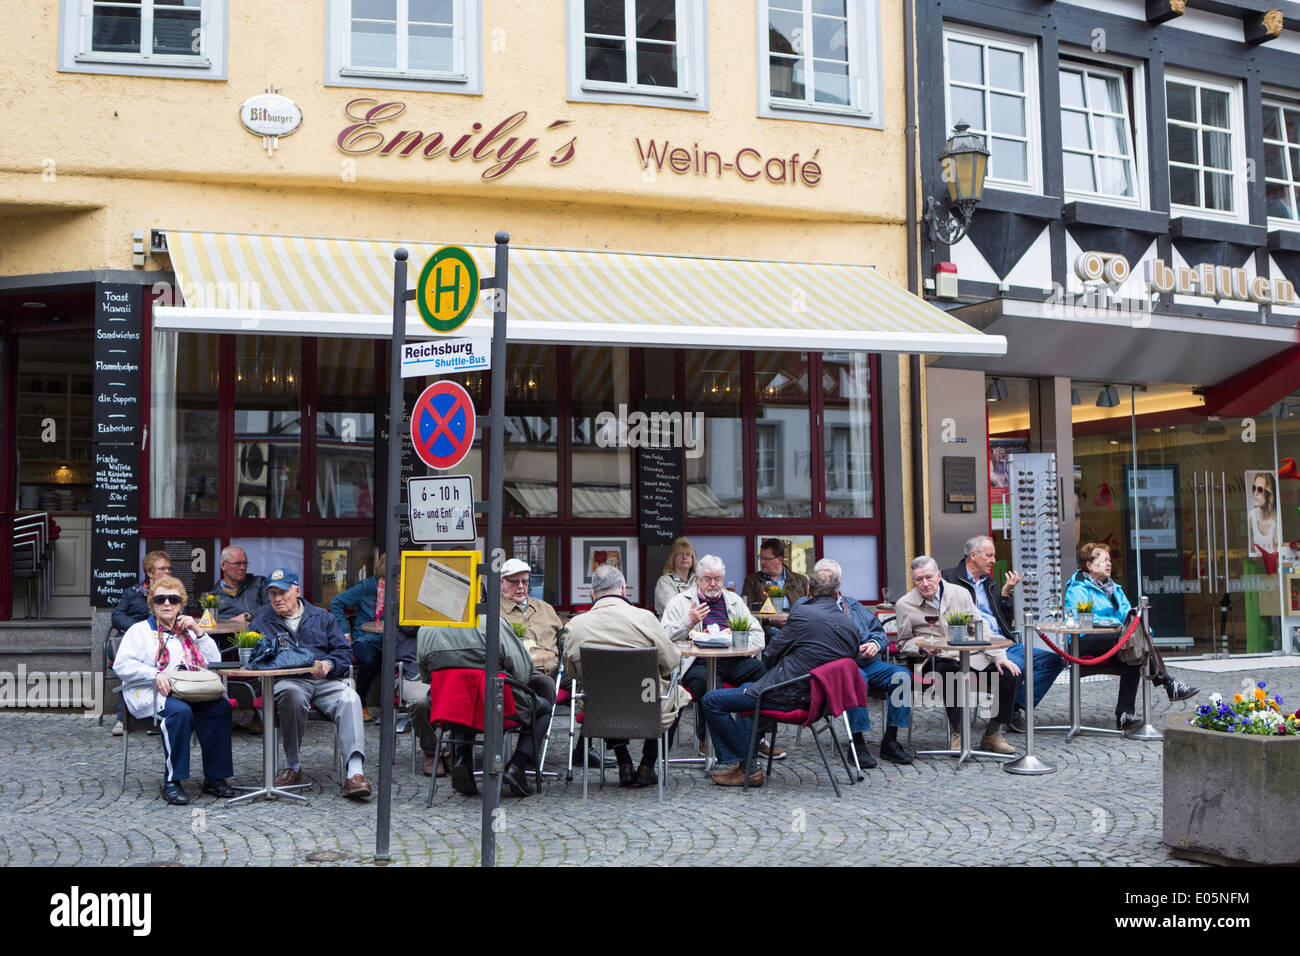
(1028, 765)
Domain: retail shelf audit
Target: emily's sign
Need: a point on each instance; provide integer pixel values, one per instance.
(1207, 279)
(497, 146)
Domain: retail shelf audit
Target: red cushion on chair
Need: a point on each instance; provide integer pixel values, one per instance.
(456, 697)
(257, 701)
(233, 704)
(780, 716)
(562, 697)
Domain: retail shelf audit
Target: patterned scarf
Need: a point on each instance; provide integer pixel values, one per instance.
(193, 657)
(379, 602)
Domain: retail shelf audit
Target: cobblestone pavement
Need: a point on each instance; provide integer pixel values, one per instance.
(60, 803)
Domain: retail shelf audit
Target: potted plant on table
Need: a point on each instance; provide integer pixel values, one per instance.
(246, 640)
(209, 603)
(739, 625)
(958, 622)
(1085, 614)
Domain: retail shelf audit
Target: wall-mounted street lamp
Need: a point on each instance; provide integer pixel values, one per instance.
(964, 161)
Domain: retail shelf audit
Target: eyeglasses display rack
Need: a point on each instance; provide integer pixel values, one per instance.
(1034, 509)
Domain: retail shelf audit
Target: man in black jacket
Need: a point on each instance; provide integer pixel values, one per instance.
(816, 633)
(997, 607)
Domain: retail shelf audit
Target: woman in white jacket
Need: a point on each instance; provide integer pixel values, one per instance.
(151, 649)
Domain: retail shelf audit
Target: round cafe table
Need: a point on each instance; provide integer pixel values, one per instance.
(965, 650)
(711, 656)
(268, 788)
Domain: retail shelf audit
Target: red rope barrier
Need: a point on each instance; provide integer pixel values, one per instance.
(1089, 661)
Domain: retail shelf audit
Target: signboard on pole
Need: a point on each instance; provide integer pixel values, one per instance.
(442, 425)
(442, 509)
(445, 356)
(448, 289)
(440, 588)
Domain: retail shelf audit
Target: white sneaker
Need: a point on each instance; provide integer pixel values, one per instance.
(117, 729)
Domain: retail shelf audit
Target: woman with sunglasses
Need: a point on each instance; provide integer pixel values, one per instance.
(1093, 584)
(1263, 514)
(167, 641)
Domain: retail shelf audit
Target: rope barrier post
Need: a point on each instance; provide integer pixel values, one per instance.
(1146, 731)
(1029, 765)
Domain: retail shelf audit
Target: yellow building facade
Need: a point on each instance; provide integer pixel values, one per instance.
(764, 132)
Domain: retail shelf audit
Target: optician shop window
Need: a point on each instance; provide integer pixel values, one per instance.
(432, 45)
(652, 52)
(820, 60)
(176, 38)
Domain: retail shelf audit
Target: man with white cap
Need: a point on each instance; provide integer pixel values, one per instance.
(542, 625)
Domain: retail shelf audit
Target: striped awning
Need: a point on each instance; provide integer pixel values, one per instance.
(295, 285)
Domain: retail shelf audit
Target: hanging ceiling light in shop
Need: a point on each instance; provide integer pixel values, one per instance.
(996, 391)
(1108, 397)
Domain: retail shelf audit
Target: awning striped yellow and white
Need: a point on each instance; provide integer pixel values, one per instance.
(295, 285)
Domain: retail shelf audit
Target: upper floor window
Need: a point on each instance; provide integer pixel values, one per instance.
(1205, 146)
(647, 51)
(1282, 159)
(820, 57)
(144, 37)
(990, 83)
(405, 44)
(1096, 132)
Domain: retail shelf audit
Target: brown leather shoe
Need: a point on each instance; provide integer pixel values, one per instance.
(756, 778)
(777, 753)
(729, 776)
(356, 787)
(428, 765)
(646, 776)
(287, 777)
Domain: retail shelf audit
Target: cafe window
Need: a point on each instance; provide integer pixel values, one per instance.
(405, 44)
(991, 85)
(179, 38)
(1205, 146)
(532, 432)
(847, 435)
(715, 480)
(600, 380)
(1096, 132)
(185, 426)
(1282, 159)
(819, 59)
(268, 427)
(784, 435)
(345, 428)
(642, 51)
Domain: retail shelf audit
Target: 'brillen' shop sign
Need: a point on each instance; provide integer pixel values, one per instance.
(498, 146)
(1206, 279)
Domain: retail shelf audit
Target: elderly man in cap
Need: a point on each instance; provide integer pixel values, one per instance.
(542, 625)
(314, 628)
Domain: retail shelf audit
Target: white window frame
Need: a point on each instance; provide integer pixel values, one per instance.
(692, 91)
(1240, 212)
(1033, 134)
(76, 20)
(1131, 79)
(1289, 101)
(865, 79)
(465, 76)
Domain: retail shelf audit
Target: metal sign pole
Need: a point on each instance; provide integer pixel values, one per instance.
(493, 703)
(393, 551)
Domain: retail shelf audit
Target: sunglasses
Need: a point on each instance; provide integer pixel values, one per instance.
(167, 599)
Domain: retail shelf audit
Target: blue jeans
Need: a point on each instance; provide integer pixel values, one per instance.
(896, 682)
(730, 736)
(1047, 664)
(369, 658)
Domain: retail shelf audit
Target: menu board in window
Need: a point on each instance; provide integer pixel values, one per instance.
(660, 473)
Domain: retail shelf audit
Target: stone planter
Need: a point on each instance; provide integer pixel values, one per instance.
(1230, 799)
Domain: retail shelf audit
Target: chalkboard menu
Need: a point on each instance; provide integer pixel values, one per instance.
(116, 408)
(115, 411)
(660, 473)
(114, 547)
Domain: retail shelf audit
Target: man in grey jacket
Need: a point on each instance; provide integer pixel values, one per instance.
(442, 648)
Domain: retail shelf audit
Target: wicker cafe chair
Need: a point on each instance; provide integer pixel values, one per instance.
(615, 704)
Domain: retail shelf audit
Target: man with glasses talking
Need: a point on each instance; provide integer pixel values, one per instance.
(242, 595)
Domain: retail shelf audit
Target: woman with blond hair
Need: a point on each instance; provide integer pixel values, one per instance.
(678, 575)
(168, 641)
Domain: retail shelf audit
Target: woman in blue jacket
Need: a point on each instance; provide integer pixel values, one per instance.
(1092, 584)
(366, 596)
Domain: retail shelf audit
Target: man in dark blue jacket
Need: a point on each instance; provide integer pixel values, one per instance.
(315, 629)
(893, 679)
(816, 633)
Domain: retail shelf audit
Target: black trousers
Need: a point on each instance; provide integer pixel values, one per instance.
(1008, 686)
(1094, 645)
(731, 670)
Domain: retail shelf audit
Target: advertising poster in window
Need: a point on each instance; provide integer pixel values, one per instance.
(590, 553)
(1154, 492)
(1265, 519)
(1152, 526)
(1000, 475)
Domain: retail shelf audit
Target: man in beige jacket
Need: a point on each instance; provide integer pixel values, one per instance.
(539, 618)
(931, 598)
(614, 622)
